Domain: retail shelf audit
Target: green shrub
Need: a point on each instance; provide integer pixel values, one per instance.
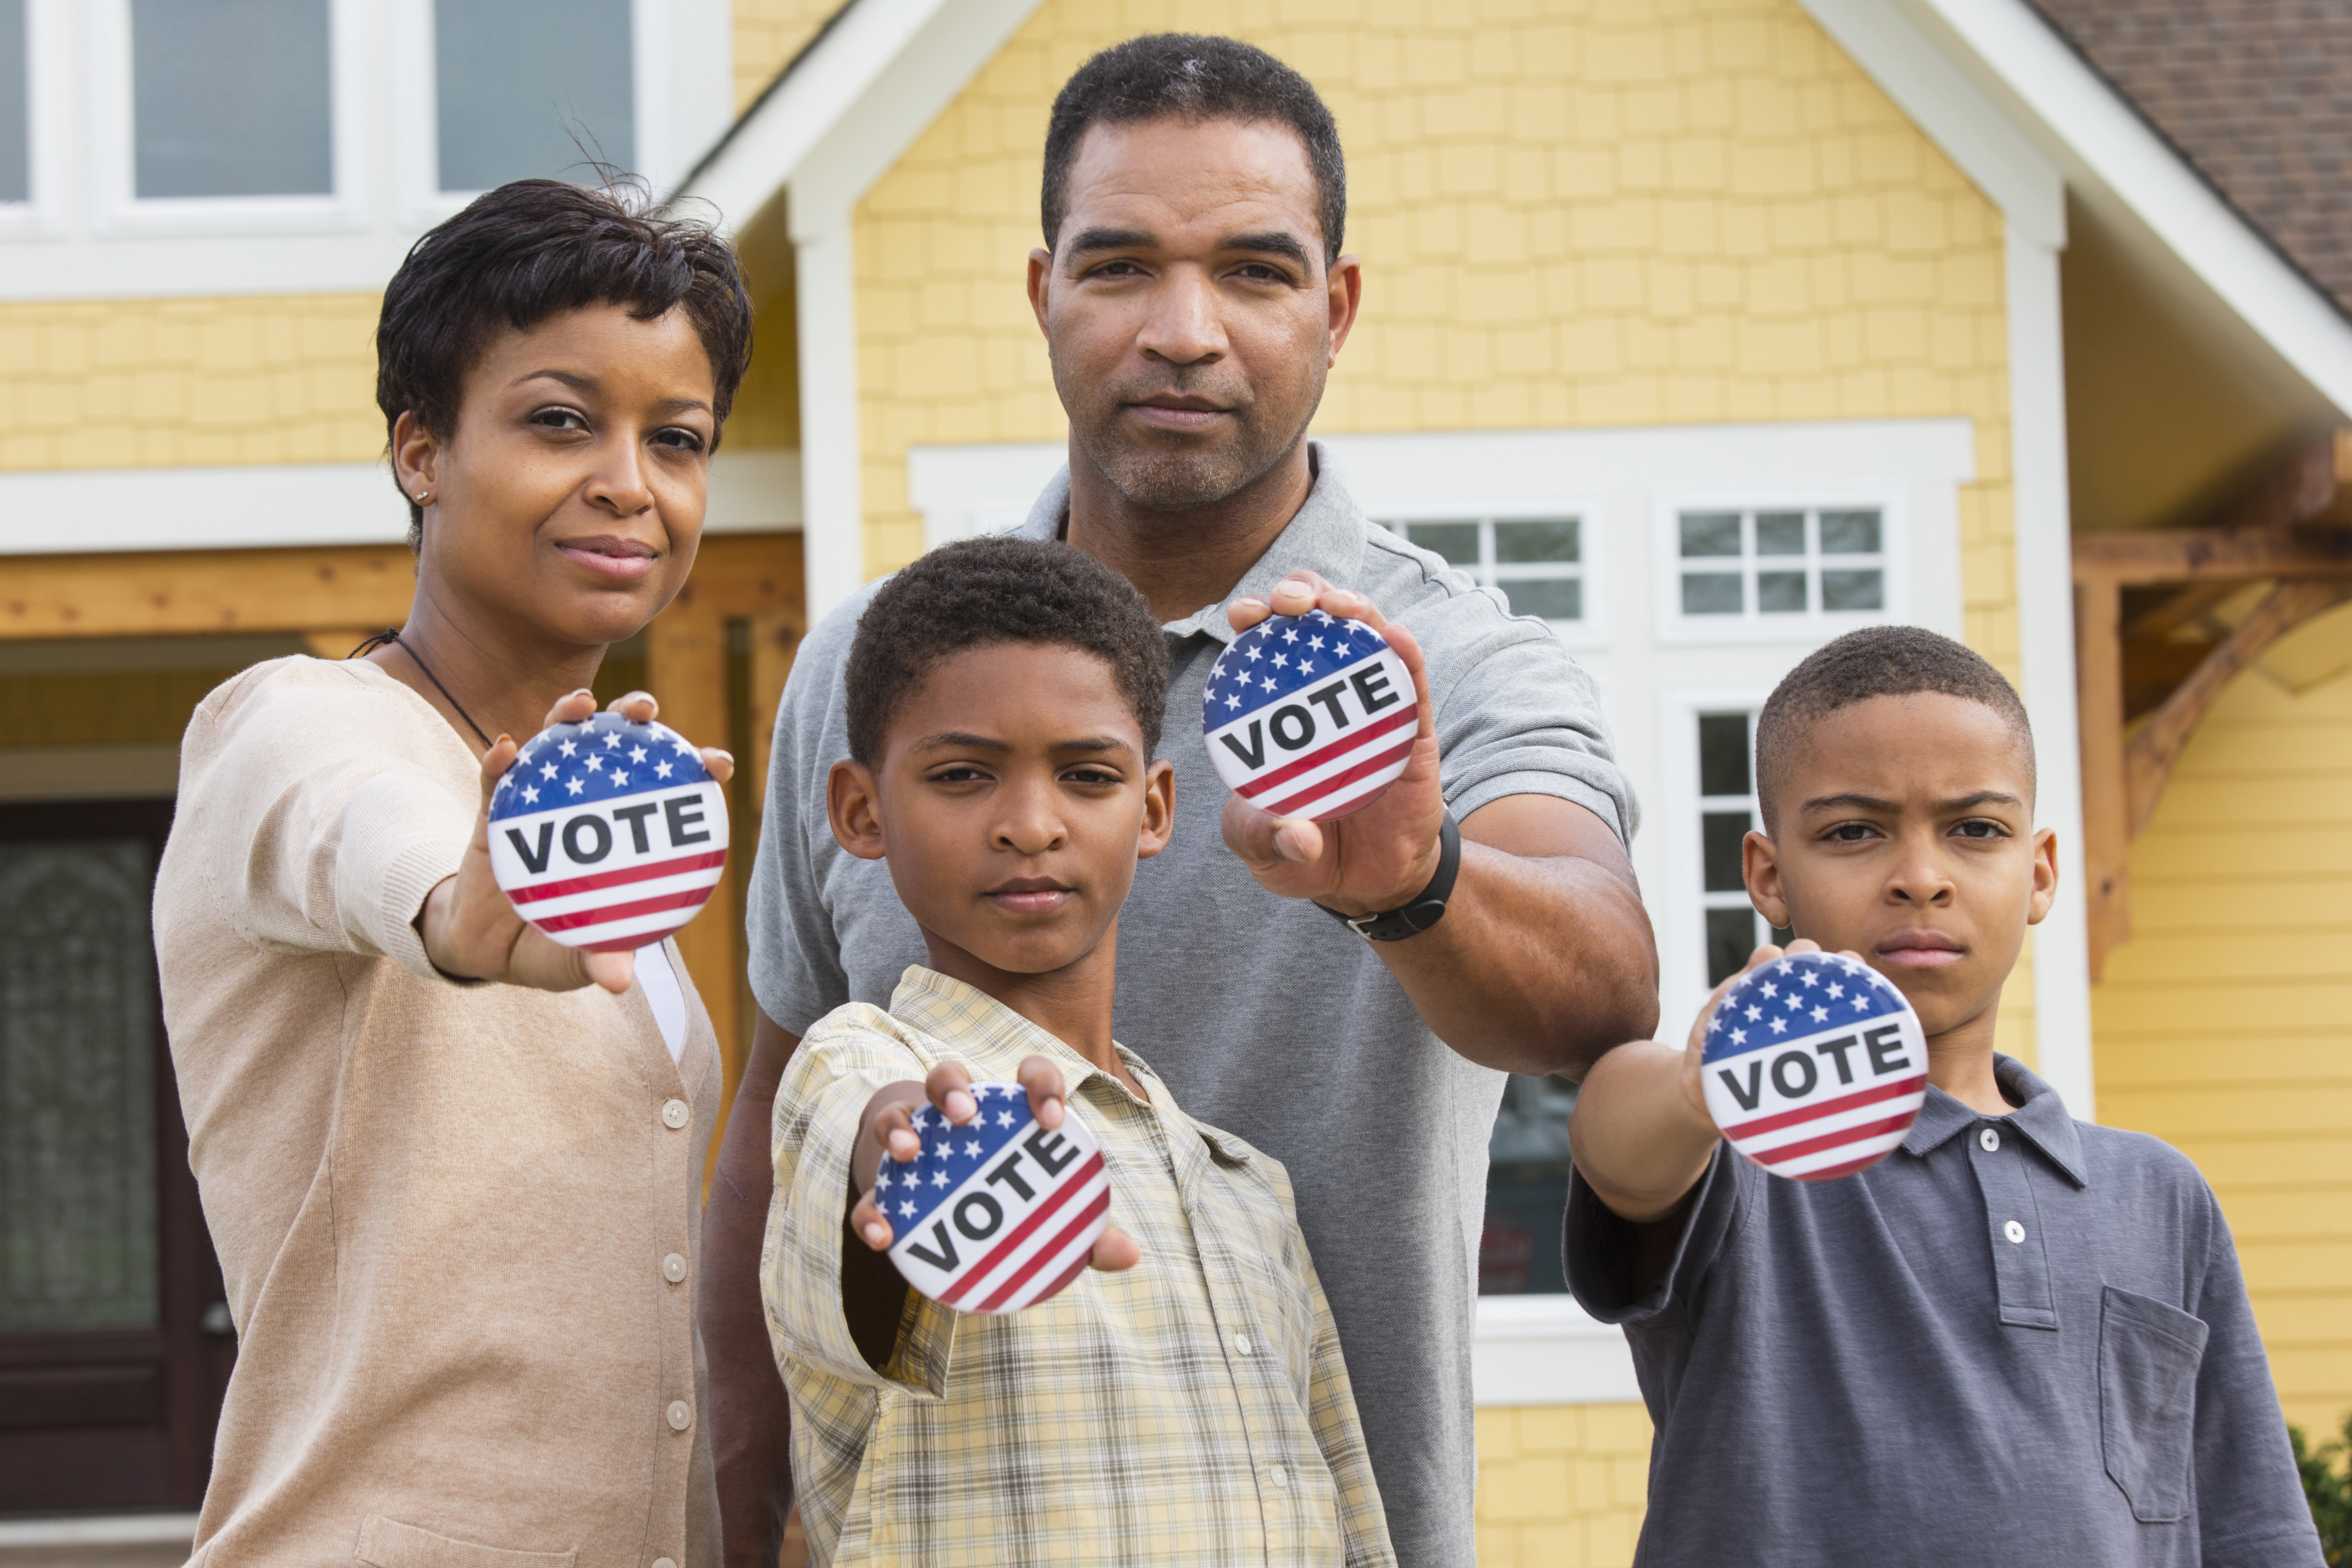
(2328, 1485)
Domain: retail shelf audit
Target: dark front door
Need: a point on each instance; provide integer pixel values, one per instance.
(114, 1351)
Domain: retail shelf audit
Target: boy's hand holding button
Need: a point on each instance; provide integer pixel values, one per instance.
(982, 1253)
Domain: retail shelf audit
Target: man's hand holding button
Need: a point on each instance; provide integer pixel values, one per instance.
(1375, 858)
(888, 1131)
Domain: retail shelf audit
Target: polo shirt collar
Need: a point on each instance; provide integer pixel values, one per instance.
(1326, 536)
(2040, 1116)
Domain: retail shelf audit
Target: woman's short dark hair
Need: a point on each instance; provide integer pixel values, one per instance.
(978, 593)
(525, 251)
(1194, 77)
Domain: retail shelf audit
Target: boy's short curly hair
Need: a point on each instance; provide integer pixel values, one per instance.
(978, 593)
(1876, 661)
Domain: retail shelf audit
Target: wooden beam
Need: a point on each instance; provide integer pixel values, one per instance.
(2143, 557)
(2155, 749)
(171, 592)
(2184, 607)
(2099, 705)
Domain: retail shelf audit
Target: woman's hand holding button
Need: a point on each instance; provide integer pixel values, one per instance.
(471, 931)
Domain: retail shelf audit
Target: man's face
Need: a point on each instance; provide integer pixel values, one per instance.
(1906, 834)
(1013, 800)
(1186, 306)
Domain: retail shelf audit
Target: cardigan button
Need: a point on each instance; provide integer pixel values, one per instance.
(681, 1416)
(674, 1269)
(663, 1563)
(675, 1113)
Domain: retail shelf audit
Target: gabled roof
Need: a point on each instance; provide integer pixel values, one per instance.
(2255, 95)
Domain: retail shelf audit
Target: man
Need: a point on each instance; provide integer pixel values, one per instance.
(1193, 298)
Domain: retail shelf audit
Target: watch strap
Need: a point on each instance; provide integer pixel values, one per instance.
(1425, 909)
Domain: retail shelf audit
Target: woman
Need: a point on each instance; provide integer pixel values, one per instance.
(453, 1170)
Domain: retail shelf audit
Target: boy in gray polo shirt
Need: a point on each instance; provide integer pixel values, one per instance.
(2018, 1338)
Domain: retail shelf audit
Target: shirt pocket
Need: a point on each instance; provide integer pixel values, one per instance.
(388, 1543)
(2148, 1357)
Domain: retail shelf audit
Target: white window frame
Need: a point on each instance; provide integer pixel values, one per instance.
(1583, 632)
(1681, 947)
(119, 210)
(655, 31)
(47, 58)
(1754, 626)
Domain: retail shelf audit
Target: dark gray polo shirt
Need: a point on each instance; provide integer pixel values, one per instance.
(1266, 1016)
(2017, 1340)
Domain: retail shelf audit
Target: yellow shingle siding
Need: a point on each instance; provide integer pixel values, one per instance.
(768, 34)
(1569, 214)
(2221, 1023)
(1561, 1487)
(119, 383)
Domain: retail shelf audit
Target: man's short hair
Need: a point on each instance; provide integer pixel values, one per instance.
(526, 251)
(1876, 661)
(978, 592)
(1194, 77)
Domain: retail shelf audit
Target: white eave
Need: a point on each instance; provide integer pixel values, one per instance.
(1944, 62)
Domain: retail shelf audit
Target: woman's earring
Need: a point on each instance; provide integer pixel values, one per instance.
(420, 497)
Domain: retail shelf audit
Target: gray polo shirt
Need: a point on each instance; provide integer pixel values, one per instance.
(1266, 1016)
(2016, 1340)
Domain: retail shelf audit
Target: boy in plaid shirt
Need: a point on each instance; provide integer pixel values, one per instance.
(1184, 1401)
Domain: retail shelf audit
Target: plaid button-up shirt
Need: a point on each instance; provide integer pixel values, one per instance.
(1194, 1409)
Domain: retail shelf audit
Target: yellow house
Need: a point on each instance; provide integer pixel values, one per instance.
(1801, 314)
(1704, 328)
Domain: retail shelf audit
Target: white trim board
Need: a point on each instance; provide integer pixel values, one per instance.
(1546, 1349)
(872, 82)
(246, 507)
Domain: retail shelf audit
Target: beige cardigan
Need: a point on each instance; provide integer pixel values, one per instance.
(458, 1223)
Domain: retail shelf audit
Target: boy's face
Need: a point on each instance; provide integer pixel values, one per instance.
(1905, 833)
(1012, 800)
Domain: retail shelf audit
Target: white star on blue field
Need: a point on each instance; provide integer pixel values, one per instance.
(600, 759)
(1806, 992)
(1278, 658)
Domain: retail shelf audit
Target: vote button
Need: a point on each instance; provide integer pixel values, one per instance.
(608, 834)
(1309, 716)
(1815, 1065)
(1000, 1213)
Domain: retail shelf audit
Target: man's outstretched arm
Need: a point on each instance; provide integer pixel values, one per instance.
(751, 1422)
(1544, 958)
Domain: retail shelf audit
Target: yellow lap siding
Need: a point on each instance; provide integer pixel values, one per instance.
(1561, 1485)
(121, 383)
(2225, 1025)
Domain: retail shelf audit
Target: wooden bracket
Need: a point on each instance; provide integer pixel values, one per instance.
(2290, 530)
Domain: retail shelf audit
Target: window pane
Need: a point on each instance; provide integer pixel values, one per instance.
(1527, 1189)
(1457, 541)
(1730, 938)
(1710, 533)
(1538, 540)
(15, 158)
(1780, 533)
(1723, 754)
(76, 1086)
(1711, 594)
(1849, 533)
(1721, 834)
(1853, 591)
(230, 97)
(519, 80)
(1780, 592)
(1553, 598)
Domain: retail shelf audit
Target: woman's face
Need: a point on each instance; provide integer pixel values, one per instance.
(567, 501)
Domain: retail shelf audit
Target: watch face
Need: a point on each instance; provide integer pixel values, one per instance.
(1815, 1065)
(608, 834)
(1000, 1213)
(1309, 716)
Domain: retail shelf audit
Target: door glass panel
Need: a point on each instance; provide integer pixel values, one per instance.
(1527, 1189)
(231, 98)
(526, 85)
(78, 1246)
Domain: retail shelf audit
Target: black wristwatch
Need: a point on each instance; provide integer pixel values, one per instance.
(1418, 914)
